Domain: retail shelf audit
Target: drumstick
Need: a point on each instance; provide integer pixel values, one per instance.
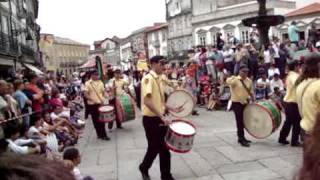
(183, 104)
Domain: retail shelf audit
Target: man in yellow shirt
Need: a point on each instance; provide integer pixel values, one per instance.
(117, 84)
(291, 108)
(308, 93)
(153, 110)
(142, 64)
(95, 94)
(241, 88)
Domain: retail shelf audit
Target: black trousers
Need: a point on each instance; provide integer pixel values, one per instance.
(156, 145)
(93, 110)
(113, 103)
(292, 120)
(238, 109)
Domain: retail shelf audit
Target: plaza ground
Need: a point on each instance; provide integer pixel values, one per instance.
(216, 155)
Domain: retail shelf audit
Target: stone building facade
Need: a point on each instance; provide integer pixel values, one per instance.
(179, 16)
(19, 34)
(213, 16)
(304, 17)
(62, 55)
(139, 42)
(108, 49)
(157, 40)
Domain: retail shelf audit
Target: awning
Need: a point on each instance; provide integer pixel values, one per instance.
(34, 69)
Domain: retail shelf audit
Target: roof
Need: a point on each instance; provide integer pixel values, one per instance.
(157, 26)
(309, 9)
(62, 40)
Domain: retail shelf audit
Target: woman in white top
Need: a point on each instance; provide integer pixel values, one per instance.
(272, 71)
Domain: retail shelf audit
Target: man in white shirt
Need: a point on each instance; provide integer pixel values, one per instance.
(11, 134)
(276, 82)
(228, 56)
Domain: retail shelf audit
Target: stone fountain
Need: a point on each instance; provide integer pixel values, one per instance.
(263, 22)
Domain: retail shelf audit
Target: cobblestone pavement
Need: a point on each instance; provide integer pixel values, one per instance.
(216, 155)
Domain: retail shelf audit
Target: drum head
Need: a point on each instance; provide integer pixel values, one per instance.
(106, 108)
(257, 121)
(182, 99)
(183, 128)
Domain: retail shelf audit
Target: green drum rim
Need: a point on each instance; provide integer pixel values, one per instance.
(276, 116)
(127, 107)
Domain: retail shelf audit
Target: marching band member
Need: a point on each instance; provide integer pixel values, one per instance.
(142, 65)
(241, 93)
(291, 108)
(153, 109)
(118, 85)
(308, 93)
(94, 92)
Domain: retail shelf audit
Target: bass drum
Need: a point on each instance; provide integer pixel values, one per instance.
(261, 119)
(181, 98)
(125, 108)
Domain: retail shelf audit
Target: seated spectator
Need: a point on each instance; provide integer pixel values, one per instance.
(272, 71)
(214, 99)
(262, 87)
(12, 133)
(73, 155)
(276, 82)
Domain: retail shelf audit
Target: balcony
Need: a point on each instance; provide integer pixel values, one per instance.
(8, 45)
(22, 13)
(27, 51)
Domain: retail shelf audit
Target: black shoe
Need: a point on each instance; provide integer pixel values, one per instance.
(120, 127)
(297, 144)
(248, 141)
(244, 143)
(284, 142)
(144, 174)
(105, 138)
(168, 178)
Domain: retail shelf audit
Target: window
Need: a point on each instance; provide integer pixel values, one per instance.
(164, 35)
(245, 36)
(214, 38)
(202, 39)
(5, 25)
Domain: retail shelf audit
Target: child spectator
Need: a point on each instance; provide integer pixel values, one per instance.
(214, 99)
(12, 133)
(22, 99)
(276, 82)
(73, 155)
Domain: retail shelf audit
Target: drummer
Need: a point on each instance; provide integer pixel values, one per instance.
(291, 108)
(153, 109)
(308, 93)
(94, 93)
(117, 87)
(241, 88)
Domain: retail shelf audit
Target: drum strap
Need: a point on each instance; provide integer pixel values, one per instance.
(95, 91)
(161, 95)
(247, 89)
(303, 92)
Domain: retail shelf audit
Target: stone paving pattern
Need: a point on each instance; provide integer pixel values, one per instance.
(216, 155)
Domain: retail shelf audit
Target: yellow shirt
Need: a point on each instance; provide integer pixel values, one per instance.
(95, 90)
(118, 85)
(309, 104)
(142, 65)
(291, 88)
(152, 84)
(238, 92)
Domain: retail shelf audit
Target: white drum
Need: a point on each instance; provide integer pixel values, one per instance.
(181, 98)
(180, 136)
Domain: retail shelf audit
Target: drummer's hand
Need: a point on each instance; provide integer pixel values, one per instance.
(177, 109)
(165, 120)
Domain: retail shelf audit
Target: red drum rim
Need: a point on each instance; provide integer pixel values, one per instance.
(273, 123)
(182, 135)
(176, 150)
(194, 101)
